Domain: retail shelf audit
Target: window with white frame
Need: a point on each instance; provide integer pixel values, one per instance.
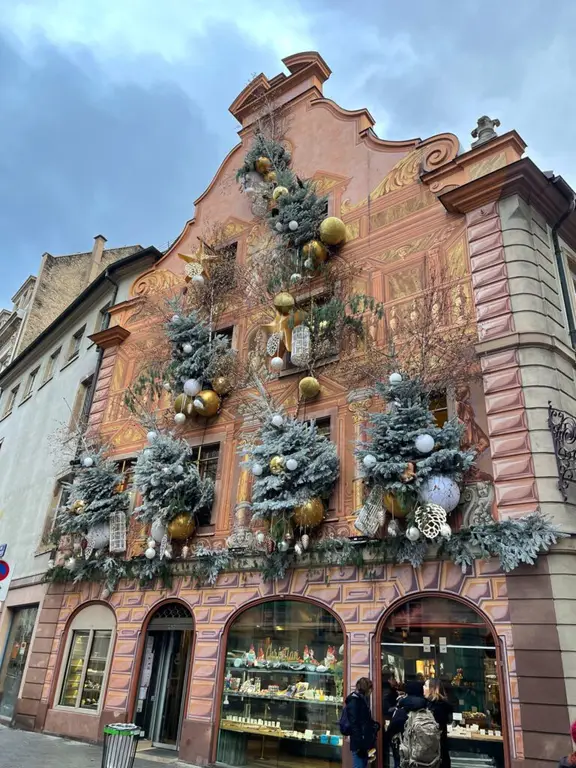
(87, 659)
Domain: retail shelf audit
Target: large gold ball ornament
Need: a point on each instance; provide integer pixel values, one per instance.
(310, 514)
(270, 177)
(315, 251)
(184, 404)
(284, 302)
(279, 191)
(222, 385)
(181, 528)
(332, 231)
(309, 387)
(394, 505)
(276, 465)
(207, 403)
(263, 165)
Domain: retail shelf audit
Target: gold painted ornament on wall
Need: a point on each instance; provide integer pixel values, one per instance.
(309, 387)
(184, 404)
(310, 514)
(222, 385)
(277, 465)
(181, 528)
(263, 165)
(332, 231)
(279, 191)
(207, 403)
(315, 251)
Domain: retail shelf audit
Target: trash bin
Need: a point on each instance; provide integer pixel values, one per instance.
(120, 742)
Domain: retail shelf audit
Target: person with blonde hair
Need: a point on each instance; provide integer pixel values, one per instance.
(442, 710)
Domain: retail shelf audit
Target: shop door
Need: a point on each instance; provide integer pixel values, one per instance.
(15, 655)
(163, 678)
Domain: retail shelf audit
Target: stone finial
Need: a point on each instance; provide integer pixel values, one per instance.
(484, 131)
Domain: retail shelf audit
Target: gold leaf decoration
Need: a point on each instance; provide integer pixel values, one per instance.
(404, 173)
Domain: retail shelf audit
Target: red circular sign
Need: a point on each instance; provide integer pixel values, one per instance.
(4, 570)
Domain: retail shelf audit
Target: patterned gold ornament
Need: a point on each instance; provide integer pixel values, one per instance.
(310, 514)
(309, 387)
(184, 404)
(315, 251)
(332, 231)
(277, 465)
(270, 177)
(222, 385)
(394, 505)
(284, 302)
(207, 403)
(263, 165)
(279, 191)
(181, 528)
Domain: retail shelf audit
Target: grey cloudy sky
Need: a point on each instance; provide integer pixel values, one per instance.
(113, 113)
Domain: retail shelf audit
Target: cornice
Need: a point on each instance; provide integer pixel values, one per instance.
(524, 340)
(111, 337)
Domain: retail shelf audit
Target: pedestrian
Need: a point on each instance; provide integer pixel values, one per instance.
(357, 723)
(569, 760)
(442, 710)
(415, 730)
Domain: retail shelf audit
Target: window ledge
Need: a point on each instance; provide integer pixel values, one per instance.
(206, 530)
(25, 400)
(293, 371)
(78, 710)
(69, 362)
(46, 381)
(6, 415)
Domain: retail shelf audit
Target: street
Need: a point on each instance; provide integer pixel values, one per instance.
(23, 749)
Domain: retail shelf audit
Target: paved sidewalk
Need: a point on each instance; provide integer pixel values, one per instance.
(22, 749)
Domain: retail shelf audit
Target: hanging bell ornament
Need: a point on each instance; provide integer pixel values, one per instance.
(279, 191)
(263, 165)
(207, 403)
(315, 251)
(332, 231)
(298, 549)
(276, 465)
(305, 541)
(309, 387)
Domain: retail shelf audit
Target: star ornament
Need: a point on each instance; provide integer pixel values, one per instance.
(283, 325)
(197, 263)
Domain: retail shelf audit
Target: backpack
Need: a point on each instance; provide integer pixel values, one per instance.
(345, 729)
(420, 745)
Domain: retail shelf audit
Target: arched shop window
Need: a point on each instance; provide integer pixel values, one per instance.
(283, 687)
(432, 637)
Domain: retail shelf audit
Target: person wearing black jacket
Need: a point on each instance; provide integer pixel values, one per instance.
(363, 729)
(442, 710)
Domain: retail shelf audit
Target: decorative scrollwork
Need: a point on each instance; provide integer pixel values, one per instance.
(563, 428)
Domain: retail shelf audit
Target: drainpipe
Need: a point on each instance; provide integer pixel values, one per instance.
(560, 264)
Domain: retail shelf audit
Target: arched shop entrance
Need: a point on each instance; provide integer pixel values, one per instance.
(164, 672)
(438, 637)
(283, 687)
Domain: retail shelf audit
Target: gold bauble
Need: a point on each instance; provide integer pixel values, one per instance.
(279, 191)
(394, 505)
(77, 507)
(284, 302)
(222, 385)
(309, 387)
(276, 465)
(332, 231)
(183, 404)
(210, 403)
(181, 528)
(310, 514)
(263, 165)
(315, 251)
(270, 177)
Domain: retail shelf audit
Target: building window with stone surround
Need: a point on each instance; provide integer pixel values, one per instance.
(51, 364)
(12, 395)
(206, 459)
(75, 343)
(87, 657)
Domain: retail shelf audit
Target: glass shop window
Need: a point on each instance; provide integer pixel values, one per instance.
(283, 687)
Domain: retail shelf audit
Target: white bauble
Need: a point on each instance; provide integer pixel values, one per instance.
(151, 543)
(413, 534)
(293, 226)
(395, 378)
(309, 264)
(175, 318)
(305, 541)
(99, 535)
(298, 549)
(179, 469)
(70, 564)
(187, 348)
(393, 529)
(151, 436)
(150, 553)
(277, 420)
(198, 279)
(257, 469)
(167, 386)
(50, 564)
(445, 531)
(158, 530)
(279, 226)
(155, 481)
(260, 537)
(441, 490)
(369, 461)
(296, 277)
(180, 418)
(105, 593)
(192, 387)
(166, 470)
(87, 462)
(277, 364)
(291, 465)
(283, 546)
(424, 443)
